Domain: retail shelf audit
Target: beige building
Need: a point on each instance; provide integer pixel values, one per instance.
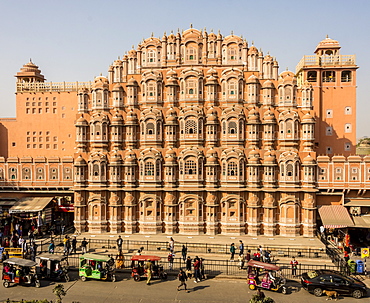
(192, 133)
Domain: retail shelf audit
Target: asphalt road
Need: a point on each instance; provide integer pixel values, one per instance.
(127, 290)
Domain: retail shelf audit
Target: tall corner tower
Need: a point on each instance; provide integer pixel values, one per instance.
(333, 78)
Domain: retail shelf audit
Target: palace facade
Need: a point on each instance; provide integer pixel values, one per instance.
(191, 133)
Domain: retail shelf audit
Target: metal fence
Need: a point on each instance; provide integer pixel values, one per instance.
(214, 268)
(202, 248)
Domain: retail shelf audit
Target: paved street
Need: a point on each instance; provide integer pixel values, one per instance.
(126, 290)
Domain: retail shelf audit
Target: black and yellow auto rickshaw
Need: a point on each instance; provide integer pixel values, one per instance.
(138, 270)
(94, 266)
(52, 267)
(19, 271)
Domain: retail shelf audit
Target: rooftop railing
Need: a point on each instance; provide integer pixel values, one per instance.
(52, 86)
(313, 60)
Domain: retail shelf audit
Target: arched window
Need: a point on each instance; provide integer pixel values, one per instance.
(232, 54)
(190, 127)
(289, 170)
(191, 86)
(151, 56)
(150, 128)
(191, 53)
(151, 89)
(95, 170)
(232, 127)
(149, 168)
(232, 87)
(232, 169)
(190, 167)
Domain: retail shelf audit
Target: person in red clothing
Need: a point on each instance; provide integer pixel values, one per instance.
(196, 266)
(294, 264)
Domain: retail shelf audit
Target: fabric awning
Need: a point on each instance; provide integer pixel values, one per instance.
(361, 221)
(5, 202)
(30, 204)
(357, 202)
(335, 216)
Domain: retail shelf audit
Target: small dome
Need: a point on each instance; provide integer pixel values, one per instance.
(116, 158)
(132, 82)
(307, 118)
(171, 115)
(100, 82)
(117, 87)
(253, 115)
(211, 72)
(253, 50)
(211, 156)
(309, 160)
(132, 53)
(254, 156)
(327, 43)
(130, 156)
(82, 121)
(131, 116)
(171, 73)
(211, 111)
(117, 118)
(170, 156)
(269, 157)
(211, 80)
(252, 79)
(268, 84)
(269, 115)
(80, 161)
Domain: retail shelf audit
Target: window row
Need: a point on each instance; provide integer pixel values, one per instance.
(330, 76)
(38, 173)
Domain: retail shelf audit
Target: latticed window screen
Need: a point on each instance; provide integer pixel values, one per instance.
(190, 167)
(191, 127)
(232, 128)
(232, 169)
(289, 170)
(150, 128)
(149, 169)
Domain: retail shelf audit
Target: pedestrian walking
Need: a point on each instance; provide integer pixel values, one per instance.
(188, 267)
(74, 245)
(202, 272)
(84, 246)
(62, 226)
(51, 248)
(184, 252)
(119, 244)
(149, 270)
(241, 261)
(31, 236)
(241, 247)
(196, 266)
(33, 251)
(170, 260)
(171, 245)
(182, 278)
(21, 241)
(322, 232)
(294, 264)
(232, 251)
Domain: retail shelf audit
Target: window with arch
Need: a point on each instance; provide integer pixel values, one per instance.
(312, 76)
(190, 127)
(191, 53)
(190, 167)
(289, 170)
(150, 89)
(232, 128)
(149, 168)
(288, 94)
(232, 54)
(13, 173)
(328, 76)
(232, 168)
(96, 170)
(150, 128)
(191, 86)
(26, 173)
(232, 87)
(151, 56)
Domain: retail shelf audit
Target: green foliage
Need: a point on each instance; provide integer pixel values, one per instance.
(257, 299)
(59, 292)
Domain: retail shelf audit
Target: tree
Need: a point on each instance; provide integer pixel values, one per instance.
(59, 292)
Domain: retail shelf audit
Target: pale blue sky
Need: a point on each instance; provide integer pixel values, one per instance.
(77, 40)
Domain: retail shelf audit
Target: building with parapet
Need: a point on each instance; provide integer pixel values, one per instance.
(191, 133)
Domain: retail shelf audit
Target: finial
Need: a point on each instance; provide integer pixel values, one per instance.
(327, 36)
(211, 30)
(171, 31)
(191, 25)
(205, 29)
(152, 34)
(133, 46)
(219, 32)
(252, 42)
(30, 60)
(232, 33)
(287, 69)
(101, 74)
(164, 34)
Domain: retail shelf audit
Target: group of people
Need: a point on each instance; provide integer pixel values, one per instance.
(259, 255)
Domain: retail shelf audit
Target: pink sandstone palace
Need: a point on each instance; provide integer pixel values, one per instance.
(191, 133)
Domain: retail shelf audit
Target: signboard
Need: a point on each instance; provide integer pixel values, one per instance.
(365, 252)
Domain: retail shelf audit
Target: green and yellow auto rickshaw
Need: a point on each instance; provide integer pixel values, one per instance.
(95, 266)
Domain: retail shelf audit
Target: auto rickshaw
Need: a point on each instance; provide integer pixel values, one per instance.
(265, 275)
(19, 271)
(138, 267)
(52, 267)
(94, 266)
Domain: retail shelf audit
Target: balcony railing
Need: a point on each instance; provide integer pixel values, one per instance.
(52, 86)
(313, 60)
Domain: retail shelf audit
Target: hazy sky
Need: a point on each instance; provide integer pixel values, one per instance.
(76, 40)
